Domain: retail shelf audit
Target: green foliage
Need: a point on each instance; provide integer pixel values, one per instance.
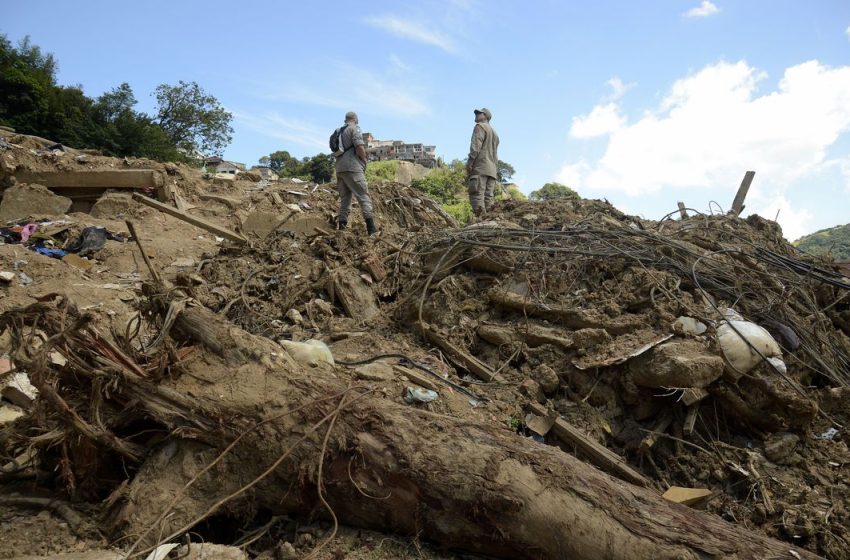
(284, 164)
(462, 211)
(510, 192)
(33, 103)
(504, 172)
(552, 191)
(446, 185)
(382, 171)
(194, 120)
(832, 242)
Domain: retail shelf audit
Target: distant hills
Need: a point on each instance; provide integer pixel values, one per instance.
(834, 241)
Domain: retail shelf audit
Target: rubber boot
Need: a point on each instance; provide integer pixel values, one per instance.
(341, 224)
(370, 226)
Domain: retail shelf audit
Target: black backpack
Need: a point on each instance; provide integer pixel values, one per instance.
(335, 143)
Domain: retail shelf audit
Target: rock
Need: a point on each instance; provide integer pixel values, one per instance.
(9, 413)
(688, 326)
(588, 338)
(112, 205)
(261, 223)
(295, 316)
(779, 447)
(531, 389)
(207, 551)
(677, 364)
(285, 551)
(23, 200)
(7, 277)
(547, 378)
(376, 371)
(407, 172)
(312, 352)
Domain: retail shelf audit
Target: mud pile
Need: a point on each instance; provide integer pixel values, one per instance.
(466, 386)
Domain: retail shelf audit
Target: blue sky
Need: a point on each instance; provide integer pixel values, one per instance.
(643, 103)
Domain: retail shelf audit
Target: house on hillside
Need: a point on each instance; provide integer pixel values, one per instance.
(384, 150)
(220, 166)
(266, 173)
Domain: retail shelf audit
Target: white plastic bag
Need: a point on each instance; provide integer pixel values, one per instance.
(738, 353)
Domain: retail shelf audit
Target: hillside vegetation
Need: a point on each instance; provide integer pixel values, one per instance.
(834, 242)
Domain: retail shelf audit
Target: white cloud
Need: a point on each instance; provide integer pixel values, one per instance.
(795, 221)
(414, 30)
(398, 64)
(705, 9)
(618, 88)
(365, 92)
(291, 130)
(712, 126)
(602, 120)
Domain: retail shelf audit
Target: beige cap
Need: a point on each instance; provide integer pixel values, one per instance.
(486, 112)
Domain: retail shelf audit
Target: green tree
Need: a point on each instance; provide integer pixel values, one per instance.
(552, 191)
(446, 184)
(284, 164)
(320, 167)
(194, 120)
(504, 172)
(832, 242)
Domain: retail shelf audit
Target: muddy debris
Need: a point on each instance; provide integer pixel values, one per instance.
(528, 387)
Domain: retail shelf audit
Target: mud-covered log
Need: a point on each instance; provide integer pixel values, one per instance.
(566, 316)
(467, 484)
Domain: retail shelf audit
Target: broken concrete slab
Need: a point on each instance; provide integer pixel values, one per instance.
(261, 224)
(779, 446)
(376, 371)
(677, 364)
(23, 200)
(94, 178)
(356, 297)
(110, 205)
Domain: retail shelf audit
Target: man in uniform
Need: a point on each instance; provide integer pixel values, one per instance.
(351, 174)
(481, 166)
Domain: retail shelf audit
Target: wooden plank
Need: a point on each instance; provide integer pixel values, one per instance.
(461, 358)
(738, 203)
(682, 211)
(597, 454)
(195, 221)
(415, 377)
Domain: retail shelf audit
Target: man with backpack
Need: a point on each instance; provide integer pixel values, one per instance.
(348, 147)
(482, 164)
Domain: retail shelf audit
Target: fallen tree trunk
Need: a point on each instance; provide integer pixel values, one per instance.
(467, 484)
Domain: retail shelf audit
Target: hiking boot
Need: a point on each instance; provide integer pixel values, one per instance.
(370, 227)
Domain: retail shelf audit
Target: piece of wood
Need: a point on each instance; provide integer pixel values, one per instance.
(738, 204)
(567, 316)
(154, 274)
(600, 456)
(527, 333)
(461, 358)
(690, 420)
(686, 496)
(682, 211)
(195, 221)
(415, 377)
(693, 395)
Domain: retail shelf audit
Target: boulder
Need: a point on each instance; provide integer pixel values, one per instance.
(23, 200)
(677, 364)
